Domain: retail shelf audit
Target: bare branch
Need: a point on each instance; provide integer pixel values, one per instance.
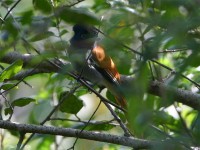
(68, 132)
(29, 72)
(27, 61)
(183, 96)
(162, 90)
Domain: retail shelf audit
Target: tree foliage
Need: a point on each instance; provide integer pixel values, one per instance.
(148, 40)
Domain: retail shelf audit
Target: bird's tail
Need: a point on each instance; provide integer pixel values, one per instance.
(121, 101)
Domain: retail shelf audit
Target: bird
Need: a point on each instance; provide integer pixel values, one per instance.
(90, 61)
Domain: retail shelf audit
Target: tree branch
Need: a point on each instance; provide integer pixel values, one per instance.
(183, 96)
(68, 132)
(156, 88)
(28, 61)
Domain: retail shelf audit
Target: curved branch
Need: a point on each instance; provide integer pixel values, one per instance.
(28, 61)
(156, 88)
(68, 132)
(183, 96)
(162, 90)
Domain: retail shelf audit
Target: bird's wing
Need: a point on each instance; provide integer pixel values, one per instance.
(106, 66)
(105, 62)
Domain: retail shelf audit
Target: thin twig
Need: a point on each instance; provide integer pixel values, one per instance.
(58, 26)
(10, 106)
(21, 138)
(151, 69)
(169, 136)
(16, 3)
(126, 132)
(86, 125)
(155, 61)
(79, 1)
(84, 83)
(173, 50)
(122, 125)
(51, 113)
(194, 123)
(1, 21)
(2, 138)
(170, 69)
(183, 122)
(20, 80)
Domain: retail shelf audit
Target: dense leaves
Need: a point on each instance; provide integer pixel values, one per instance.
(79, 15)
(136, 34)
(43, 5)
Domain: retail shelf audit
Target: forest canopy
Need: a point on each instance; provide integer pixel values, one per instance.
(46, 104)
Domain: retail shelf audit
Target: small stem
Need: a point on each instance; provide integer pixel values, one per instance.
(21, 138)
(9, 11)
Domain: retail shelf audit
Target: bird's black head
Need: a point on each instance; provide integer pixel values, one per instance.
(84, 36)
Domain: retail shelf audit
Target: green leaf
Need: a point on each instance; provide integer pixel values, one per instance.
(6, 86)
(162, 117)
(71, 103)
(22, 101)
(63, 32)
(41, 36)
(79, 15)
(8, 2)
(196, 127)
(45, 142)
(100, 5)
(11, 28)
(8, 110)
(12, 70)
(27, 17)
(42, 5)
(121, 115)
(110, 96)
(81, 91)
(14, 133)
(193, 60)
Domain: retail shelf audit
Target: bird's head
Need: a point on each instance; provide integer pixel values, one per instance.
(84, 36)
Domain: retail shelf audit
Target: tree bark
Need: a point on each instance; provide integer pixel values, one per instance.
(69, 132)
